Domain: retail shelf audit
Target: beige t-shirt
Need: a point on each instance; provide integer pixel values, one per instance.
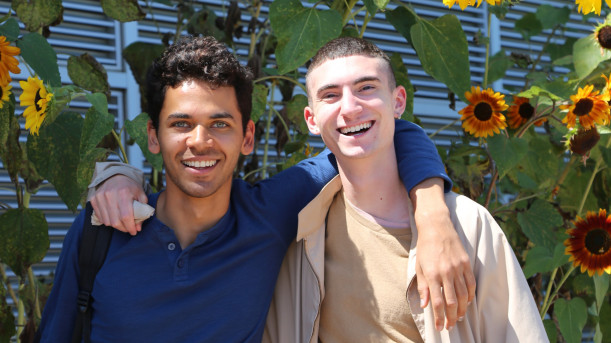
(365, 279)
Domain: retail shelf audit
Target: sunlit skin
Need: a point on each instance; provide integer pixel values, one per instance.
(352, 91)
(200, 137)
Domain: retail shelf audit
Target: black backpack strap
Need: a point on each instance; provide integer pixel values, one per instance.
(94, 246)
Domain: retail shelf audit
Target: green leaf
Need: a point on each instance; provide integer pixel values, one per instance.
(550, 329)
(204, 22)
(374, 5)
(10, 29)
(499, 63)
(403, 20)
(539, 163)
(538, 223)
(6, 113)
(601, 284)
(301, 31)
(570, 194)
(86, 72)
(507, 152)
(7, 319)
(294, 110)
(137, 130)
(540, 259)
(400, 71)
(10, 151)
(259, 101)
(36, 14)
(529, 25)
(139, 56)
(557, 51)
(587, 55)
(551, 16)
(25, 238)
(605, 317)
(41, 57)
(442, 48)
(56, 156)
(572, 316)
(98, 123)
(123, 10)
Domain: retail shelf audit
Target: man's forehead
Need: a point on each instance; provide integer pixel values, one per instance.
(353, 67)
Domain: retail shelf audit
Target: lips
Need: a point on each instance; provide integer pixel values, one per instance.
(355, 129)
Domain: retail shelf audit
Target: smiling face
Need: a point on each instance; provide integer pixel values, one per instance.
(200, 137)
(352, 105)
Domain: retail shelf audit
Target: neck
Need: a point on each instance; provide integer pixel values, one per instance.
(189, 216)
(373, 185)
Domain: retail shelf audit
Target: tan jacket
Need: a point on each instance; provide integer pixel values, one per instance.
(503, 309)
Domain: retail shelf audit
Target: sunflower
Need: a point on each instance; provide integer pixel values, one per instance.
(520, 112)
(589, 106)
(583, 141)
(464, 3)
(482, 117)
(602, 33)
(36, 98)
(587, 6)
(5, 91)
(7, 61)
(590, 243)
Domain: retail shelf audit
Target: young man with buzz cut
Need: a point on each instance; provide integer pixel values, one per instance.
(357, 264)
(204, 267)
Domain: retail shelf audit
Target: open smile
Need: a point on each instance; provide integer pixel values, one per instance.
(356, 129)
(200, 164)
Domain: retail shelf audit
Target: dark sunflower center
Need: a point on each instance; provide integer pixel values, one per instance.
(526, 110)
(604, 37)
(36, 98)
(598, 241)
(483, 111)
(583, 107)
(1, 92)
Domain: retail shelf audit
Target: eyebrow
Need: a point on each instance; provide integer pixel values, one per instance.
(356, 82)
(220, 115)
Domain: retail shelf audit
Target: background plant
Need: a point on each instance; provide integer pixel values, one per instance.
(535, 155)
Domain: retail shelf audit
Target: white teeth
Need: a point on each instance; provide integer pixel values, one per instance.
(356, 128)
(199, 164)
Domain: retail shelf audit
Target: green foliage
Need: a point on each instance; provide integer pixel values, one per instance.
(541, 259)
(529, 26)
(400, 70)
(39, 55)
(499, 63)
(294, 109)
(506, 152)
(25, 238)
(587, 54)
(86, 72)
(538, 221)
(442, 48)
(123, 10)
(136, 128)
(301, 31)
(259, 101)
(10, 29)
(572, 316)
(36, 14)
(550, 16)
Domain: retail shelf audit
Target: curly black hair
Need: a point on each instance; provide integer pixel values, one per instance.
(202, 59)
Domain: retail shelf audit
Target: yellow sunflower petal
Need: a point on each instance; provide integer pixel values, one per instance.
(35, 98)
(482, 117)
(587, 6)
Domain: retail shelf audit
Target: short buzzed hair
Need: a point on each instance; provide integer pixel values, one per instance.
(346, 47)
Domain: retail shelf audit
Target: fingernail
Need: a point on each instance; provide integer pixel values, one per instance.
(422, 303)
(439, 327)
(450, 328)
(460, 319)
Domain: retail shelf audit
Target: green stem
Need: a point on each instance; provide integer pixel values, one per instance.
(550, 299)
(534, 66)
(281, 77)
(26, 199)
(366, 21)
(267, 128)
(34, 291)
(284, 124)
(487, 60)
(597, 168)
(495, 176)
(253, 34)
(498, 209)
(443, 128)
(20, 318)
(123, 153)
(548, 292)
(5, 280)
(563, 175)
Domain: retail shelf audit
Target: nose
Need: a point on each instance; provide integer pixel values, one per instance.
(199, 138)
(350, 104)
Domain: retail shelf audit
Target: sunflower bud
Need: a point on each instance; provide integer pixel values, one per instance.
(584, 141)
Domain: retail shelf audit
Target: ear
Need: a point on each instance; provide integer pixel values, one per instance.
(400, 99)
(248, 143)
(310, 119)
(153, 141)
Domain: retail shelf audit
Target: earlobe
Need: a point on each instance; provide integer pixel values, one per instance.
(153, 140)
(310, 119)
(248, 143)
